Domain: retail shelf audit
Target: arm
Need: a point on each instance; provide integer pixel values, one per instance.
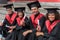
(18, 27)
(42, 22)
(31, 26)
(55, 35)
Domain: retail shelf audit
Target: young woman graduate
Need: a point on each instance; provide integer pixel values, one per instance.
(22, 23)
(21, 26)
(36, 20)
(10, 20)
(51, 30)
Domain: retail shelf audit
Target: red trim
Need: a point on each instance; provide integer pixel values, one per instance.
(19, 20)
(50, 26)
(10, 20)
(35, 22)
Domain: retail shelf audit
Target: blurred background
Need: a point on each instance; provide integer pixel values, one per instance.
(18, 3)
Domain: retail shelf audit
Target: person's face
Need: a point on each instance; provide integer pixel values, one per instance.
(51, 16)
(34, 10)
(9, 11)
(20, 14)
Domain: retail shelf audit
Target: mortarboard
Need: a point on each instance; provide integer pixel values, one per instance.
(34, 4)
(8, 6)
(20, 9)
(49, 10)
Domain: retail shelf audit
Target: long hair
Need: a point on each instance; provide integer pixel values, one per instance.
(56, 13)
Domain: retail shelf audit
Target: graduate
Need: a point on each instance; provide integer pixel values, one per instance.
(10, 20)
(36, 20)
(22, 23)
(51, 30)
(21, 26)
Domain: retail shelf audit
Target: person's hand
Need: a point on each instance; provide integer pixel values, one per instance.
(22, 23)
(38, 28)
(26, 32)
(1, 24)
(29, 31)
(39, 33)
(12, 27)
(10, 31)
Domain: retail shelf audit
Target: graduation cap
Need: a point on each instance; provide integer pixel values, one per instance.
(8, 6)
(20, 9)
(34, 4)
(49, 10)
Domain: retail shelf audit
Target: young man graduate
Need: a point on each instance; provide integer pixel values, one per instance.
(10, 20)
(51, 30)
(36, 20)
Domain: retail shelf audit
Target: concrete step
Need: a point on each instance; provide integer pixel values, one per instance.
(28, 12)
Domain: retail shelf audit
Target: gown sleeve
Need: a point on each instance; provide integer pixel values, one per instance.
(4, 22)
(54, 36)
(18, 27)
(31, 26)
(42, 22)
(26, 25)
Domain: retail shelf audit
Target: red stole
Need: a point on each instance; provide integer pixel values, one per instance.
(10, 20)
(19, 20)
(35, 22)
(50, 26)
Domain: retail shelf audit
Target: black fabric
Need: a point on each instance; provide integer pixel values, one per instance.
(17, 34)
(54, 35)
(0, 30)
(5, 28)
(32, 36)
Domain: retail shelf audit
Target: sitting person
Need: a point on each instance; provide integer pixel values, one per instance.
(51, 30)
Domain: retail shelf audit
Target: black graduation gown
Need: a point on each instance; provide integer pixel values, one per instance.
(21, 29)
(6, 29)
(7, 23)
(32, 35)
(17, 34)
(54, 34)
(0, 30)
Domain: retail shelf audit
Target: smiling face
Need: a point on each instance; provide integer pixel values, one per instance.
(51, 16)
(34, 10)
(9, 10)
(20, 14)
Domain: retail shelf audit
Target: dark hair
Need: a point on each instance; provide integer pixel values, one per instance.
(56, 13)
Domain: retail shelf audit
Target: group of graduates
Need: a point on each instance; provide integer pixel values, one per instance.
(17, 26)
